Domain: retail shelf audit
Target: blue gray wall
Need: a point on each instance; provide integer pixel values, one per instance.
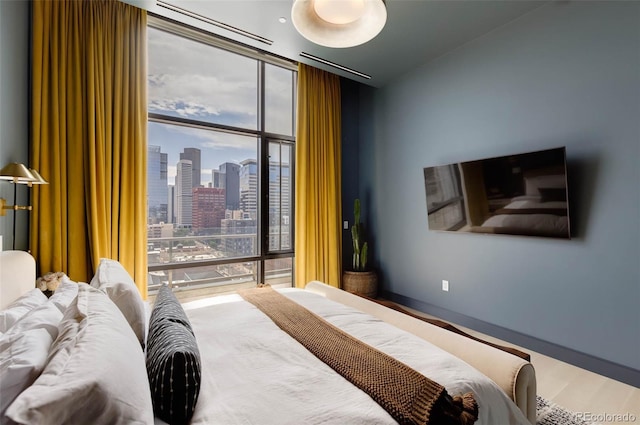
(566, 74)
(349, 91)
(14, 113)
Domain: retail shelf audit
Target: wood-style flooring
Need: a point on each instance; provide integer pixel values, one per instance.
(577, 389)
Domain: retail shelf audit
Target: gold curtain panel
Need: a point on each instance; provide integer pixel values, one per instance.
(318, 237)
(89, 123)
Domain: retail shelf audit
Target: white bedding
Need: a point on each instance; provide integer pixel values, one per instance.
(254, 373)
(534, 201)
(546, 224)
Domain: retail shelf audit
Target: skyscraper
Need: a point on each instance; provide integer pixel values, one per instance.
(217, 179)
(193, 155)
(208, 209)
(171, 204)
(279, 206)
(231, 179)
(184, 192)
(246, 245)
(249, 188)
(156, 185)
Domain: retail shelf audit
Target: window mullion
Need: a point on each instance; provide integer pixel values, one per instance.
(262, 194)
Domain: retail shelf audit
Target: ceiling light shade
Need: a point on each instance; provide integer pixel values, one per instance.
(339, 23)
(339, 12)
(19, 173)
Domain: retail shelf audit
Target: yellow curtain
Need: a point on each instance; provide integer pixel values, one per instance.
(88, 138)
(318, 237)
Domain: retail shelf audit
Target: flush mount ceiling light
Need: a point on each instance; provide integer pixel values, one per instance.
(339, 23)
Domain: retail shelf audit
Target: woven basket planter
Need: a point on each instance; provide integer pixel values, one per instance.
(361, 283)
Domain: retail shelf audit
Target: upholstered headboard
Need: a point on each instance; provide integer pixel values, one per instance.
(17, 275)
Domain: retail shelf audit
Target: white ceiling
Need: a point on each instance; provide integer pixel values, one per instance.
(417, 31)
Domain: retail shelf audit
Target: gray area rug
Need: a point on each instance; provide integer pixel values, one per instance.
(548, 413)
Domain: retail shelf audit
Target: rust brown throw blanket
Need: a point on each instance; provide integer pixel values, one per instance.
(408, 396)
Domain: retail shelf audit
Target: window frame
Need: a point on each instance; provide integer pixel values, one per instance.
(262, 136)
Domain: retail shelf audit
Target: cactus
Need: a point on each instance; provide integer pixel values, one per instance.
(360, 247)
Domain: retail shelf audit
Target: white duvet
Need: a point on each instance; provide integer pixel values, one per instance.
(254, 373)
(540, 222)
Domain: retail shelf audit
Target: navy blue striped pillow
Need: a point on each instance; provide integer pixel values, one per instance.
(173, 360)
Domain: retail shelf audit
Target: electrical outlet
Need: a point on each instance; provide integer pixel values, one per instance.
(345, 225)
(445, 285)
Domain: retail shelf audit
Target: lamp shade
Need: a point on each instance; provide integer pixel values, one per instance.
(38, 178)
(339, 23)
(19, 173)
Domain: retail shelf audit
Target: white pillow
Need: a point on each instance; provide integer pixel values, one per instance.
(95, 374)
(20, 307)
(24, 349)
(116, 282)
(65, 293)
(553, 181)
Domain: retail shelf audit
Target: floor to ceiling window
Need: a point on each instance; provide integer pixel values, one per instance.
(220, 163)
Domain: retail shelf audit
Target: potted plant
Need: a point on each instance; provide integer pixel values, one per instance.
(360, 280)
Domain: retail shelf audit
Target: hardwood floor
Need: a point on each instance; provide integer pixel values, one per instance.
(598, 398)
(580, 390)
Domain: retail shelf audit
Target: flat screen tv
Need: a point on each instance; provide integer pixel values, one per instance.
(523, 194)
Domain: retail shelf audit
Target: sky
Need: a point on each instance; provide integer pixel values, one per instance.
(192, 80)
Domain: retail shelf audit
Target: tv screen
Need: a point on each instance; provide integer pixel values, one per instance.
(523, 194)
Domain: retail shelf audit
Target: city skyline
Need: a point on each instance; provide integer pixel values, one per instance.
(236, 189)
(216, 148)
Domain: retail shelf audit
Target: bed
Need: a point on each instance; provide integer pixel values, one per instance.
(250, 370)
(542, 211)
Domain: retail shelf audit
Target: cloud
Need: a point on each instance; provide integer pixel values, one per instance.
(203, 93)
(200, 77)
(217, 140)
(193, 80)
